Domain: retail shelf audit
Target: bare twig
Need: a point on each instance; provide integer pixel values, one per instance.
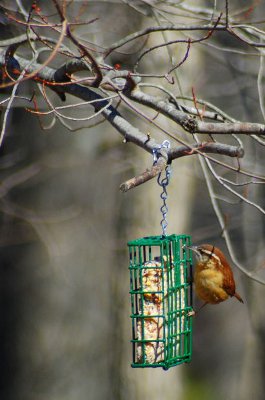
(189, 41)
(160, 28)
(223, 226)
(145, 176)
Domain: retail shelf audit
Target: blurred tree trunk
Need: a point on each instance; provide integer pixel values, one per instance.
(141, 212)
(253, 368)
(137, 215)
(232, 336)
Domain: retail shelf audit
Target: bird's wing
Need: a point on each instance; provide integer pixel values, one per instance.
(229, 283)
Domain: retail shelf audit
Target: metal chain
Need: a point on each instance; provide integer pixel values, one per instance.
(163, 182)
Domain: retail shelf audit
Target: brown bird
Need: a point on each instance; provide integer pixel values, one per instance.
(213, 278)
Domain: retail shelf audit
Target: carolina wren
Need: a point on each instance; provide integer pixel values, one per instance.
(213, 278)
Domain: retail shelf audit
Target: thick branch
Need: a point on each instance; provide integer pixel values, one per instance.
(48, 76)
(207, 147)
(177, 152)
(246, 128)
(70, 67)
(190, 123)
(129, 132)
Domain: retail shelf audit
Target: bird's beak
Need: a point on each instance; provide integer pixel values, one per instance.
(191, 247)
(195, 249)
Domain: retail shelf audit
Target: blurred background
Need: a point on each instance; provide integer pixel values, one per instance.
(65, 325)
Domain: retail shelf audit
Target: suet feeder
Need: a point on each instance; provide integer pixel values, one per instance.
(161, 300)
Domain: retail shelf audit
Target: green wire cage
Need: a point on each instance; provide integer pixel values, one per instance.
(161, 300)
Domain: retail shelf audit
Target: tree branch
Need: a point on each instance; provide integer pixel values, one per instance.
(177, 152)
(161, 28)
(206, 147)
(145, 176)
(130, 133)
(190, 123)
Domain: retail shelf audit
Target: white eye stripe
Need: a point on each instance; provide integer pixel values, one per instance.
(211, 254)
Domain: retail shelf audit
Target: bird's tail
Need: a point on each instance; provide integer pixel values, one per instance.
(239, 298)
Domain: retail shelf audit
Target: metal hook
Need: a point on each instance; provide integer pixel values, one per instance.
(164, 145)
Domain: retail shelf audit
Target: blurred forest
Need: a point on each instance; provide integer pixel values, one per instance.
(65, 312)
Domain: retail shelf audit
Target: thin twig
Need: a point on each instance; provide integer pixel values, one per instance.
(9, 105)
(223, 226)
(160, 28)
(234, 192)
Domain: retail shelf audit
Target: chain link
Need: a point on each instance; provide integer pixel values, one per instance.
(163, 182)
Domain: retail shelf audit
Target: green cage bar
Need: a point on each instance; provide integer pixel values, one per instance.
(161, 299)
